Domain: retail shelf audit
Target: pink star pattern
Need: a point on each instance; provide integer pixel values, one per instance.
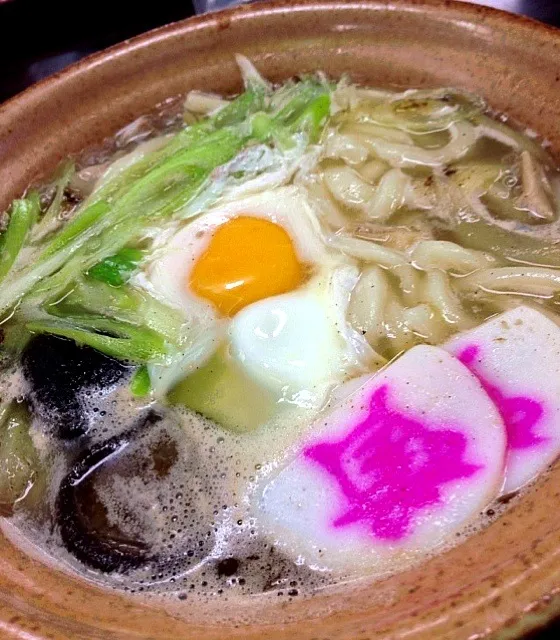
(520, 414)
(389, 467)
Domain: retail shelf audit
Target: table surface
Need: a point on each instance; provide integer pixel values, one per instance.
(39, 38)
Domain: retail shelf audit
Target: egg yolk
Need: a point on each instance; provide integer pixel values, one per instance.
(246, 260)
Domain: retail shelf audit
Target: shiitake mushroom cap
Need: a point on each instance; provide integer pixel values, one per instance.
(58, 371)
(105, 549)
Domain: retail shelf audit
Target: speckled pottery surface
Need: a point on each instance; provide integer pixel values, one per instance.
(501, 582)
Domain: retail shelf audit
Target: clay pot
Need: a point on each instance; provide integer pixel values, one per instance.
(500, 582)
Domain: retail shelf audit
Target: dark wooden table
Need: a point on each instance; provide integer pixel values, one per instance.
(39, 37)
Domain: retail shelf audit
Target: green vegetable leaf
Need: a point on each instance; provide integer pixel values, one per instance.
(20, 469)
(234, 113)
(306, 111)
(50, 219)
(23, 215)
(75, 284)
(112, 337)
(312, 119)
(239, 109)
(117, 269)
(140, 384)
(80, 224)
(89, 296)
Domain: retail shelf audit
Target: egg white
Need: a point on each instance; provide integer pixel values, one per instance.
(316, 348)
(298, 344)
(174, 258)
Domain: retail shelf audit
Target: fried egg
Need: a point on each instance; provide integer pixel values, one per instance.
(259, 268)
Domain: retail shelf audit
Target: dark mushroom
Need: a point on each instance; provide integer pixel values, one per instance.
(58, 372)
(81, 516)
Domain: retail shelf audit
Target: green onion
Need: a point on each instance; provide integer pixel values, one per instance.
(75, 283)
(313, 117)
(23, 215)
(232, 114)
(126, 342)
(51, 219)
(20, 469)
(140, 384)
(117, 269)
(122, 304)
(82, 223)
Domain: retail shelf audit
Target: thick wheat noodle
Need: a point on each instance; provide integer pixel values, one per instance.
(534, 281)
(448, 256)
(500, 132)
(369, 133)
(373, 170)
(348, 187)
(367, 251)
(402, 337)
(380, 202)
(346, 147)
(203, 103)
(389, 113)
(410, 282)
(438, 293)
(349, 96)
(497, 303)
(375, 94)
(423, 320)
(368, 302)
(463, 136)
(324, 204)
(388, 196)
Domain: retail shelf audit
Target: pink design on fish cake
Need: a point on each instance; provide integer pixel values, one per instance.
(520, 414)
(389, 467)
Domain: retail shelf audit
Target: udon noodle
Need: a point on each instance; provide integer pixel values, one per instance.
(402, 178)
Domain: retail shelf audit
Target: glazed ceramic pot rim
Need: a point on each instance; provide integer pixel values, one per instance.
(263, 7)
(11, 113)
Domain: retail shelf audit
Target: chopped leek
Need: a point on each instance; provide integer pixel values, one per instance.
(22, 217)
(140, 384)
(118, 339)
(117, 269)
(20, 469)
(77, 283)
(51, 219)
